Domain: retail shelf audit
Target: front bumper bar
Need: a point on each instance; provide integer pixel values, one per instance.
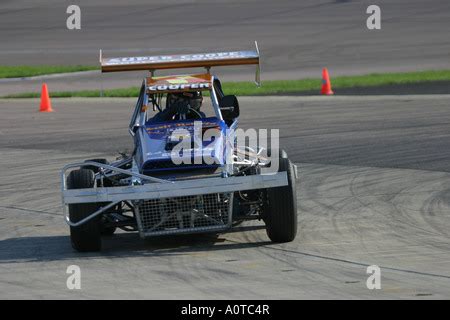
(158, 188)
(180, 188)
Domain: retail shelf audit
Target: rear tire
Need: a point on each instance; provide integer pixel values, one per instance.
(86, 237)
(281, 209)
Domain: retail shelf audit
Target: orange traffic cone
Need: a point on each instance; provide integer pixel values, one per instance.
(326, 84)
(46, 105)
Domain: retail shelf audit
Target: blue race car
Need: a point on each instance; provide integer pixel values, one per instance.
(187, 173)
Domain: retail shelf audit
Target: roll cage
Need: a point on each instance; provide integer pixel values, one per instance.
(148, 102)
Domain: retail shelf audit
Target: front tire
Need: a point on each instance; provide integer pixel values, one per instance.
(281, 209)
(86, 237)
(106, 231)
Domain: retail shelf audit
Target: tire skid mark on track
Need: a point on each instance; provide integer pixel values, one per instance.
(427, 211)
(31, 210)
(394, 213)
(362, 264)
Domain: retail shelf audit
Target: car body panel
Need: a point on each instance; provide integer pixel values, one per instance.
(158, 140)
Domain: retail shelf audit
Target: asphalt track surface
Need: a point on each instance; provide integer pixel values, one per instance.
(296, 38)
(374, 189)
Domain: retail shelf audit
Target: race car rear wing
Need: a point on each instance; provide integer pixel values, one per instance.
(205, 60)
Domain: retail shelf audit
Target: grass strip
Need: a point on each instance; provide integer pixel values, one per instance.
(276, 87)
(32, 71)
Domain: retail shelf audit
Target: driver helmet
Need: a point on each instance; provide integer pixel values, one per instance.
(194, 99)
